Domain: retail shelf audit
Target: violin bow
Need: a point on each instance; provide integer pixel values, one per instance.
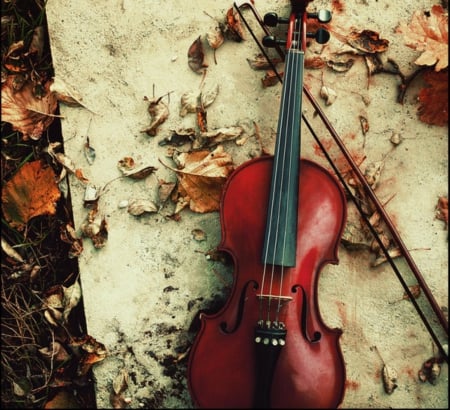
(238, 5)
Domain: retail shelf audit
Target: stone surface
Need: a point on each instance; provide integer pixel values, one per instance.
(144, 288)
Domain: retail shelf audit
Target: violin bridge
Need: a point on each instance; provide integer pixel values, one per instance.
(265, 296)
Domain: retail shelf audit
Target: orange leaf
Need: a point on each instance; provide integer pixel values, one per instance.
(202, 178)
(28, 114)
(428, 32)
(433, 108)
(31, 192)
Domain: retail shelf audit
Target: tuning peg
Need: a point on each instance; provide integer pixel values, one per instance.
(272, 19)
(321, 35)
(324, 16)
(271, 41)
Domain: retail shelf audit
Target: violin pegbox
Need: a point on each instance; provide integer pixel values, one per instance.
(298, 15)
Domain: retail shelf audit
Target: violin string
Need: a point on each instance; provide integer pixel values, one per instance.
(296, 70)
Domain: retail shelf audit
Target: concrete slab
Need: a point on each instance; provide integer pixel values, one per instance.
(143, 289)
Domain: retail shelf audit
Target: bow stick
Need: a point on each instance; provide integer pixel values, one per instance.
(368, 190)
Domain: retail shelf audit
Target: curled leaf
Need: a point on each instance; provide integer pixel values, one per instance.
(138, 207)
(234, 27)
(189, 101)
(196, 56)
(389, 379)
(442, 210)
(328, 94)
(367, 41)
(159, 112)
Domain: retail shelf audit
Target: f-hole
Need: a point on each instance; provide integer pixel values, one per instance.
(240, 312)
(304, 318)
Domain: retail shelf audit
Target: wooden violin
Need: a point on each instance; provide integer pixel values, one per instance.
(268, 347)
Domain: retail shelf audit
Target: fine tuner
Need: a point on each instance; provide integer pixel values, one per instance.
(321, 35)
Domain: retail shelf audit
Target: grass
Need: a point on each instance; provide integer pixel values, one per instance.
(30, 379)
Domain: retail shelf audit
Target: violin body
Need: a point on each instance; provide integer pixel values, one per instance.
(226, 369)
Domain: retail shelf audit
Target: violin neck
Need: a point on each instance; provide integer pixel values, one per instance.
(280, 241)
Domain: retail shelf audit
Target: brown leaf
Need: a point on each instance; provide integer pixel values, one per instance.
(196, 56)
(27, 113)
(442, 210)
(138, 207)
(159, 113)
(428, 32)
(202, 177)
(164, 190)
(234, 26)
(270, 79)
(367, 41)
(95, 227)
(389, 379)
(430, 370)
(259, 62)
(31, 192)
(415, 292)
(140, 173)
(433, 99)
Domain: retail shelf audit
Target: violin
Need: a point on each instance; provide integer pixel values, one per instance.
(268, 347)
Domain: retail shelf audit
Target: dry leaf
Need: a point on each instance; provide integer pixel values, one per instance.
(442, 210)
(207, 97)
(201, 177)
(126, 164)
(65, 94)
(159, 112)
(415, 292)
(31, 192)
(364, 124)
(215, 39)
(201, 119)
(340, 64)
(389, 379)
(10, 251)
(259, 62)
(433, 99)
(89, 152)
(196, 56)
(199, 235)
(94, 352)
(138, 207)
(270, 79)
(140, 173)
(179, 137)
(68, 235)
(95, 227)
(328, 94)
(189, 101)
(430, 370)
(428, 32)
(68, 164)
(367, 41)
(165, 190)
(27, 113)
(214, 137)
(72, 296)
(234, 28)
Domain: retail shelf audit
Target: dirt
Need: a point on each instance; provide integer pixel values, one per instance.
(143, 290)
